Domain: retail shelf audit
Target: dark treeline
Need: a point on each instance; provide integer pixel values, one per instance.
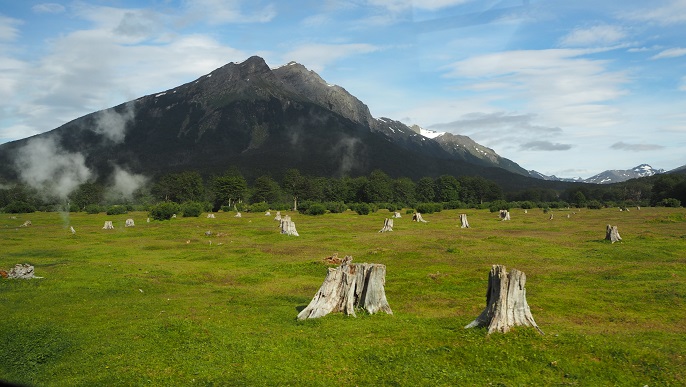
(294, 190)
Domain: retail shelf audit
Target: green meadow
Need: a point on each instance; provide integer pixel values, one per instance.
(163, 304)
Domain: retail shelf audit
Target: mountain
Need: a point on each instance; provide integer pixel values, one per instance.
(607, 177)
(261, 120)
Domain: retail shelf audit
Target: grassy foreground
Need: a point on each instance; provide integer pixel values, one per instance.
(159, 304)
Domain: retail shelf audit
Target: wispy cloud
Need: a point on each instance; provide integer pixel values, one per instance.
(230, 11)
(317, 56)
(545, 146)
(599, 35)
(671, 12)
(9, 30)
(635, 147)
(670, 53)
(48, 8)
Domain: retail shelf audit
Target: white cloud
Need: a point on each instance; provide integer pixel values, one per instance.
(599, 35)
(560, 84)
(317, 56)
(48, 8)
(670, 53)
(673, 12)
(621, 145)
(433, 5)
(229, 11)
(8, 28)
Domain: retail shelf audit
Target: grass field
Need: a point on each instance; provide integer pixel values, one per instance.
(144, 306)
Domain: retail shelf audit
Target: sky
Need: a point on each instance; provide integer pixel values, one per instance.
(566, 88)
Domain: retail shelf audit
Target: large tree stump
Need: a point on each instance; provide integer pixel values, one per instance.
(504, 215)
(417, 217)
(288, 227)
(612, 234)
(387, 225)
(347, 287)
(463, 221)
(129, 223)
(108, 225)
(506, 304)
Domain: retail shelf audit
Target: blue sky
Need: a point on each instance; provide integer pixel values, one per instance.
(569, 88)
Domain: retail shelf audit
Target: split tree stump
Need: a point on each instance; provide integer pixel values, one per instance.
(463, 221)
(108, 225)
(612, 234)
(288, 227)
(396, 214)
(506, 304)
(22, 271)
(417, 217)
(504, 215)
(387, 225)
(350, 286)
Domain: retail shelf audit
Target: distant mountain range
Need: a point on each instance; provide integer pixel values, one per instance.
(607, 177)
(263, 121)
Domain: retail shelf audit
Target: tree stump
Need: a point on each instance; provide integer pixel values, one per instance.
(71, 228)
(612, 234)
(396, 215)
(504, 215)
(506, 304)
(238, 215)
(387, 225)
(463, 221)
(347, 287)
(526, 211)
(108, 225)
(22, 271)
(417, 217)
(267, 213)
(211, 216)
(26, 224)
(278, 215)
(551, 216)
(288, 227)
(129, 223)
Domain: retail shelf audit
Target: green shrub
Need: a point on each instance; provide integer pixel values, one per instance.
(164, 211)
(594, 205)
(259, 207)
(191, 209)
(498, 205)
(429, 208)
(93, 209)
(316, 209)
(526, 205)
(669, 202)
(361, 208)
(116, 210)
(336, 207)
(19, 207)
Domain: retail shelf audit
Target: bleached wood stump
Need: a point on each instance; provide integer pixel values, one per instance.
(504, 215)
(108, 225)
(417, 217)
(22, 271)
(288, 227)
(238, 215)
(278, 215)
(129, 223)
(26, 224)
(267, 213)
(387, 225)
(71, 228)
(463, 221)
(506, 304)
(211, 216)
(396, 215)
(612, 234)
(551, 216)
(350, 286)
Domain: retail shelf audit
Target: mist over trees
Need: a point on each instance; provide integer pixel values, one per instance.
(293, 190)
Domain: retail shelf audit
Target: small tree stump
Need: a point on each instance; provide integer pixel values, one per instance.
(22, 271)
(129, 223)
(26, 224)
(288, 227)
(387, 225)
(417, 217)
(347, 287)
(463, 221)
(148, 220)
(551, 216)
(267, 213)
(612, 234)
(108, 225)
(506, 304)
(238, 215)
(504, 215)
(278, 215)
(71, 228)
(396, 215)
(526, 211)
(211, 216)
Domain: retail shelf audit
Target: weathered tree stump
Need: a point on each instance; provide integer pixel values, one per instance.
(22, 271)
(387, 225)
(506, 304)
(551, 216)
(288, 227)
(211, 216)
(396, 215)
(612, 234)
(417, 217)
(148, 220)
(463, 221)
(238, 215)
(347, 287)
(526, 211)
(71, 228)
(26, 224)
(129, 223)
(108, 225)
(278, 215)
(268, 213)
(504, 215)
